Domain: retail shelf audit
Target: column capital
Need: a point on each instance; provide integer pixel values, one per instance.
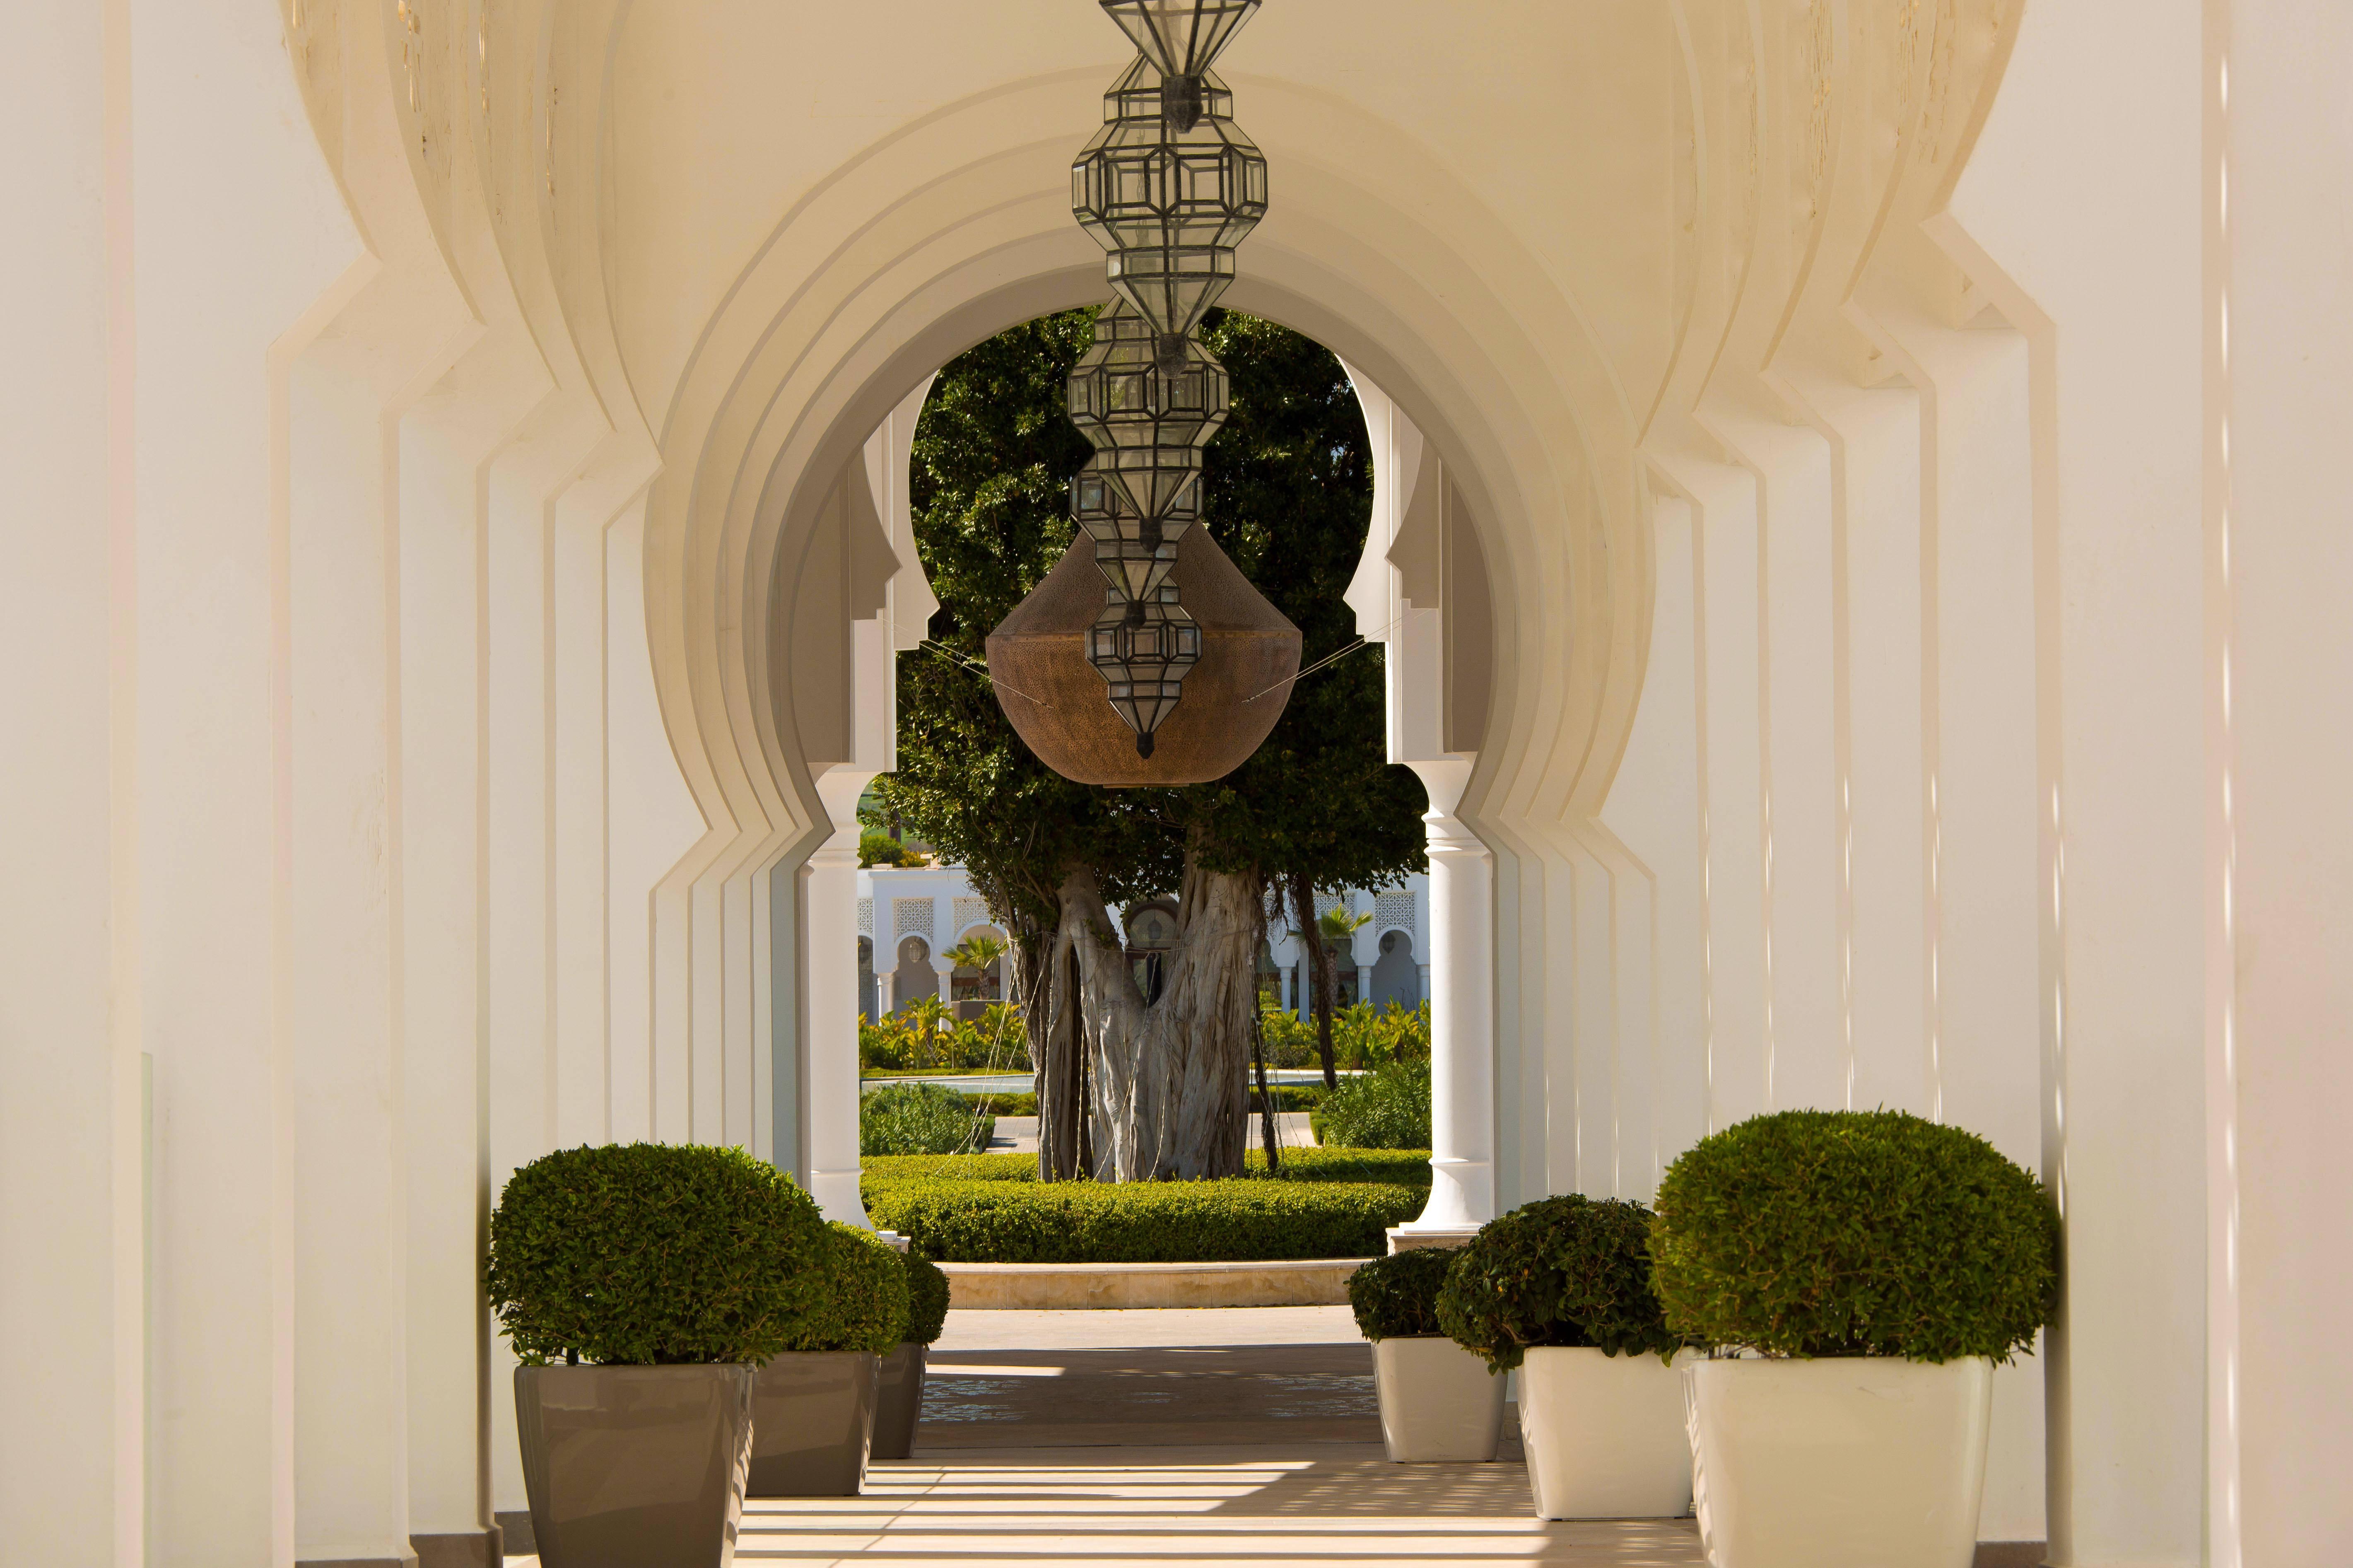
(1450, 836)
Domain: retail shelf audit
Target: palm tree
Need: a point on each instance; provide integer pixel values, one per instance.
(978, 951)
(1321, 937)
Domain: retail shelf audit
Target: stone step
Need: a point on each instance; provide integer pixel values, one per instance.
(1317, 1282)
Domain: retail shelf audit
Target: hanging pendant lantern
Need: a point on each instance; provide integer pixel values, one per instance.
(1233, 694)
(1167, 188)
(1180, 37)
(1148, 422)
(1168, 205)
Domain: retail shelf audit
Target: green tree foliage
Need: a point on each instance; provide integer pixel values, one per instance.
(1288, 496)
(876, 847)
(988, 483)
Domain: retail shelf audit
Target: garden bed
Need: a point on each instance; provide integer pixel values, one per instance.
(991, 1208)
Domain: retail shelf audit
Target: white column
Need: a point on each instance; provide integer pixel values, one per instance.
(72, 1445)
(945, 968)
(1425, 982)
(830, 987)
(1462, 1012)
(2280, 881)
(2101, 260)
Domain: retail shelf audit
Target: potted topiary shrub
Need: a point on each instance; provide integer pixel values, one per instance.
(1560, 1289)
(639, 1284)
(900, 1397)
(813, 1404)
(1437, 1404)
(1874, 1266)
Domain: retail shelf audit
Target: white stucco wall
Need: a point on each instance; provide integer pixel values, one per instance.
(405, 566)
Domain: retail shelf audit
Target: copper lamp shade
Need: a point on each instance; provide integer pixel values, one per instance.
(1037, 665)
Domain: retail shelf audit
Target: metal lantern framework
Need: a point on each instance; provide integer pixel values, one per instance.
(1168, 187)
(1168, 205)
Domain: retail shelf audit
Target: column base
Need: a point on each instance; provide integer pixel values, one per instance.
(1410, 1236)
(515, 1532)
(470, 1548)
(837, 1196)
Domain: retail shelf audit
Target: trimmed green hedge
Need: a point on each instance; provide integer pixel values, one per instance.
(863, 1306)
(1404, 1167)
(653, 1254)
(1855, 1233)
(1023, 1104)
(1237, 1220)
(927, 1299)
(1395, 1298)
(1287, 1097)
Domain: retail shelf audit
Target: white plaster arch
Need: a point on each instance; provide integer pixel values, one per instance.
(1810, 336)
(804, 356)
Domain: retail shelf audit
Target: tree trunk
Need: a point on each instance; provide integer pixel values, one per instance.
(1055, 1025)
(1171, 1079)
(1319, 969)
(1265, 1101)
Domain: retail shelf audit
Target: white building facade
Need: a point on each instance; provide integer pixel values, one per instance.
(910, 918)
(1859, 543)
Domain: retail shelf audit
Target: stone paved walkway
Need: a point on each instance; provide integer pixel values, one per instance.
(1236, 1438)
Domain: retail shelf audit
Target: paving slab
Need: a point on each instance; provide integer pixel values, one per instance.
(1266, 1503)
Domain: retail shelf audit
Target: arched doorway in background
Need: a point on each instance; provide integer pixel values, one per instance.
(914, 978)
(1397, 975)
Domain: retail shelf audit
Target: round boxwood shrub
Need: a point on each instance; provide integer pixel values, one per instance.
(1386, 1108)
(648, 1254)
(864, 1305)
(927, 1299)
(1855, 1233)
(920, 1118)
(1395, 1298)
(1560, 1271)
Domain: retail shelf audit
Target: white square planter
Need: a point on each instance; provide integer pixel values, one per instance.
(1438, 1402)
(1604, 1435)
(1856, 1463)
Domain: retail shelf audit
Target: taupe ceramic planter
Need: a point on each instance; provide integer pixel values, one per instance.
(901, 1402)
(812, 1419)
(635, 1466)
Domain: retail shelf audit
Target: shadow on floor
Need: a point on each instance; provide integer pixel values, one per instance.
(1157, 1395)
